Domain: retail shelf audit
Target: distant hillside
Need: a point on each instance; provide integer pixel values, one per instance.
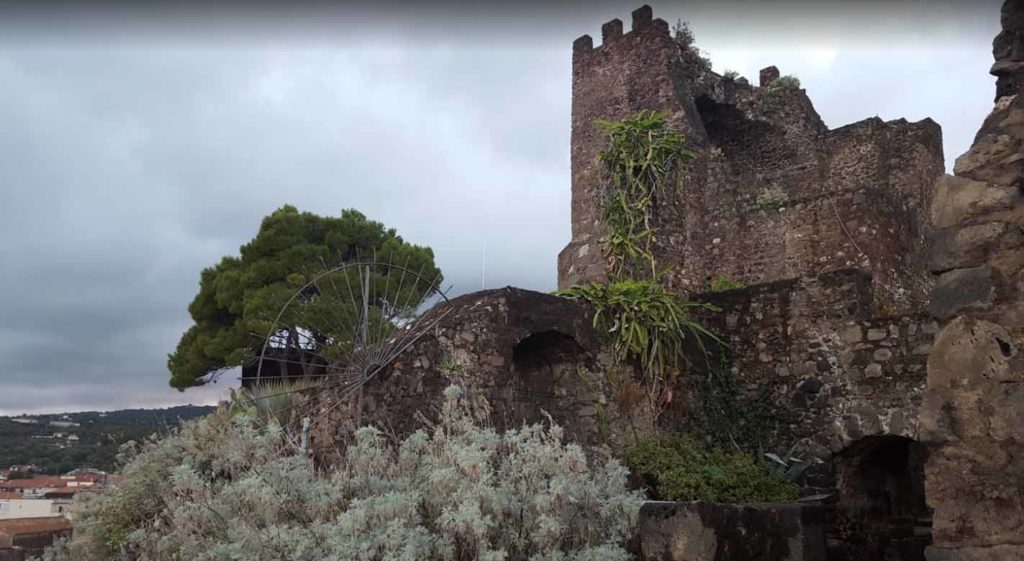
(59, 443)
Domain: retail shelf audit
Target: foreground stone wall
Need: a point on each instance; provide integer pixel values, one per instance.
(529, 355)
(973, 413)
(698, 531)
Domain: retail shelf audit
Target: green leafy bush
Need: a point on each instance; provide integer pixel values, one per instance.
(725, 415)
(678, 469)
(787, 81)
(230, 487)
(683, 35)
(771, 197)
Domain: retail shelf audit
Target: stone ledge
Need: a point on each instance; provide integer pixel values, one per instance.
(701, 531)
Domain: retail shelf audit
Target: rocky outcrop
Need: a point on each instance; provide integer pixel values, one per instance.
(972, 416)
(1008, 48)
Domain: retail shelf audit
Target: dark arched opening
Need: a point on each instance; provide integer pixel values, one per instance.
(545, 376)
(881, 513)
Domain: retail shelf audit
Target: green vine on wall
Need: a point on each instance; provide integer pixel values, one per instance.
(644, 160)
(647, 323)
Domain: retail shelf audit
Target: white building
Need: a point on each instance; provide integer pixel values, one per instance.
(31, 508)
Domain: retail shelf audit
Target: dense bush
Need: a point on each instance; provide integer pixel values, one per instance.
(678, 469)
(771, 197)
(230, 488)
(784, 82)
(726, 415)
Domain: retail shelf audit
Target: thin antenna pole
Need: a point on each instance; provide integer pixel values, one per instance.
(365, 344)
(483, 268)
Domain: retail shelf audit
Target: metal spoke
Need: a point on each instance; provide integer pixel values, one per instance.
(345, 335)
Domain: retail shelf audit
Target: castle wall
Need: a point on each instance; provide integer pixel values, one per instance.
(697, 531)
(853, 382)
(817, 345)
(850, 197)
(885, 301)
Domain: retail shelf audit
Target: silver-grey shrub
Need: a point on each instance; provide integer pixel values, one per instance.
(228, 488)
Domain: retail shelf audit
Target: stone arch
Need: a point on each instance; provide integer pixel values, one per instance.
(881, 511)
(546, 378)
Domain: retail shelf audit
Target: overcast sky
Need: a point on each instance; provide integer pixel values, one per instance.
(138, 148)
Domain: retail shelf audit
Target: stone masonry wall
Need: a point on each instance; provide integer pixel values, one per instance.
(529, 355)
(850, 197)
(818, 346)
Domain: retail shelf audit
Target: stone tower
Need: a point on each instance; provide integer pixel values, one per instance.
(772, 194)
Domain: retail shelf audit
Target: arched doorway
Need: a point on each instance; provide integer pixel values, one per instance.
(881, 514)
(546, 378)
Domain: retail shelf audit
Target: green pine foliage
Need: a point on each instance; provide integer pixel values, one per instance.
(677, 469)
(239, 297)
(232, 487)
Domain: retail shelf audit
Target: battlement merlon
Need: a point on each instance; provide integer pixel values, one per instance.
(643, 22)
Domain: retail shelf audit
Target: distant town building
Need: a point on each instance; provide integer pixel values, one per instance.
(25, 420)
(11, 509)
(32, 535)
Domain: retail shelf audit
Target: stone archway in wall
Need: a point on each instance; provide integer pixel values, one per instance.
(881, 513)
(547, 379)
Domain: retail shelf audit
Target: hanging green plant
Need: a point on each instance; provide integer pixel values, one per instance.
(644, 161)
(647, 323)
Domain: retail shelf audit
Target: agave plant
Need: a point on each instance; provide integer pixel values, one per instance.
(794, 468)
(272, 400)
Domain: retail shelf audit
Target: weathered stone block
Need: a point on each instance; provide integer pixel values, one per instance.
(958, 199)
(996, 156)
(960, 289)
(882, 355)
(968, 352)
(768, 75)
(876, 334)
(1006, 552)
(851, 334)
